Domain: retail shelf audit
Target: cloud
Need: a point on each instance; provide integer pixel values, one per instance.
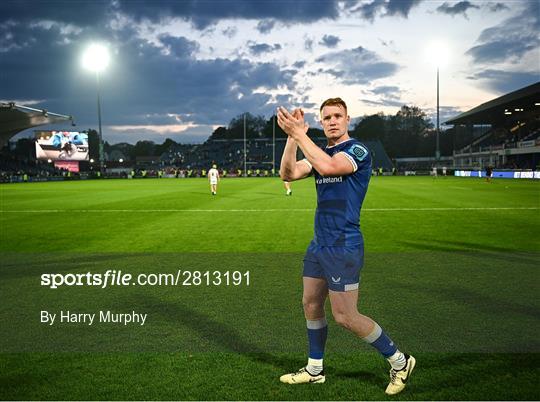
(445, 113)
(179, 46)
(505, 81)
(511, 39)
(384, 102)
(230, 32)
(387, 90)
(81, 13)
(143, 85)
(384, 8)
(400, 7)
(329, 41)
(189, 135)
(308, 44)
(357, 66)
(266, 26)
(202, 14)
(385, 95)
(205, 13)
(257, 49)
(495, 7)
(457, 8)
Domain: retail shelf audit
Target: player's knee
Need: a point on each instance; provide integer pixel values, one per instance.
(312, 307)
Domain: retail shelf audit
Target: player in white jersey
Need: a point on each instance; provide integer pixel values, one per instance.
(287, 187)
(213, 177)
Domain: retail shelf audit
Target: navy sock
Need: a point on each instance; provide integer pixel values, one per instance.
(317, 331)
(380, 341)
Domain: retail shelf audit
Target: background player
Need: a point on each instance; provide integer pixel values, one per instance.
(287, 186)
(335, 256)
(213, 177)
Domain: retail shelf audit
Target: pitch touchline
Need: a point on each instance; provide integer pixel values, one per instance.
(40, 211)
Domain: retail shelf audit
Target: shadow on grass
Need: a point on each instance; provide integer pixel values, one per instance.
(496, 316)
(492, 305)
(223, 336)
(465, 247)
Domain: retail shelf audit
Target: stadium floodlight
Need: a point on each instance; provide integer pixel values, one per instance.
(437, 54)
(96, 58)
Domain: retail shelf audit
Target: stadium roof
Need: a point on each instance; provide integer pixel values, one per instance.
(525, 99)
(16, 118)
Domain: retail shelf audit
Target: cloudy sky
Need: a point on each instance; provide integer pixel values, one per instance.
(180, 68)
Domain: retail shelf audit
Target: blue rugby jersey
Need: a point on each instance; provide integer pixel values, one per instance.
(340, 198)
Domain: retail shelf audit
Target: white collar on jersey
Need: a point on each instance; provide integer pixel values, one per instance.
(339, 143)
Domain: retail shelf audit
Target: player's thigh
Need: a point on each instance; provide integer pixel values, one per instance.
(315, 289)
(344, 303)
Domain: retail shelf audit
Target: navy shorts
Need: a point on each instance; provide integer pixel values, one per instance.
(340, 266)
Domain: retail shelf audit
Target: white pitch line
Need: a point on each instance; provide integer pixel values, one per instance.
(41, 211)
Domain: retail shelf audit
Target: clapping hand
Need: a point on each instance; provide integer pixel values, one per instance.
(293, 124)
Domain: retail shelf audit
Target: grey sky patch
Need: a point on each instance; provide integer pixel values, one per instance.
(495, 7)
(205, 13)
(500, 50)
(358, 66)
(385, 95)
(299, 64)
(179, 46)
(258, 49)
(400, 8)
(511, 39)
(454, 9)
(445, 113)
(308, 44)
(333, 72)
(230, 32)
(504, 81)
(387, 90)
(266, 26)
(81, 13)
(387, 43)
(329, 41)
(383, 102)
(385, 8)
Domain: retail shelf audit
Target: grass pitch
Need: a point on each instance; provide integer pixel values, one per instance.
(450, 272)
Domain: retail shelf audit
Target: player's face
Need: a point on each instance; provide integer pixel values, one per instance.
(335, 122)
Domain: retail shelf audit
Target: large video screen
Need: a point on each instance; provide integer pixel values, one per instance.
(62, 145)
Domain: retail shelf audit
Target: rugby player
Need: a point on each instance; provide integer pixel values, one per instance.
(213, 177)
(287, 185)
(334, 258)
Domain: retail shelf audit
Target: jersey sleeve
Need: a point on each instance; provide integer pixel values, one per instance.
(358, 155)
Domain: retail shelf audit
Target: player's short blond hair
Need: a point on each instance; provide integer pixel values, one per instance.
(334, 102)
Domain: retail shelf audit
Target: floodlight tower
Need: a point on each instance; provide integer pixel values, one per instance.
(96, 59)
(437, 54)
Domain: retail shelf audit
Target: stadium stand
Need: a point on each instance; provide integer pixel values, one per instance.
(229, 154)
(513, 140)
(16, 118)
